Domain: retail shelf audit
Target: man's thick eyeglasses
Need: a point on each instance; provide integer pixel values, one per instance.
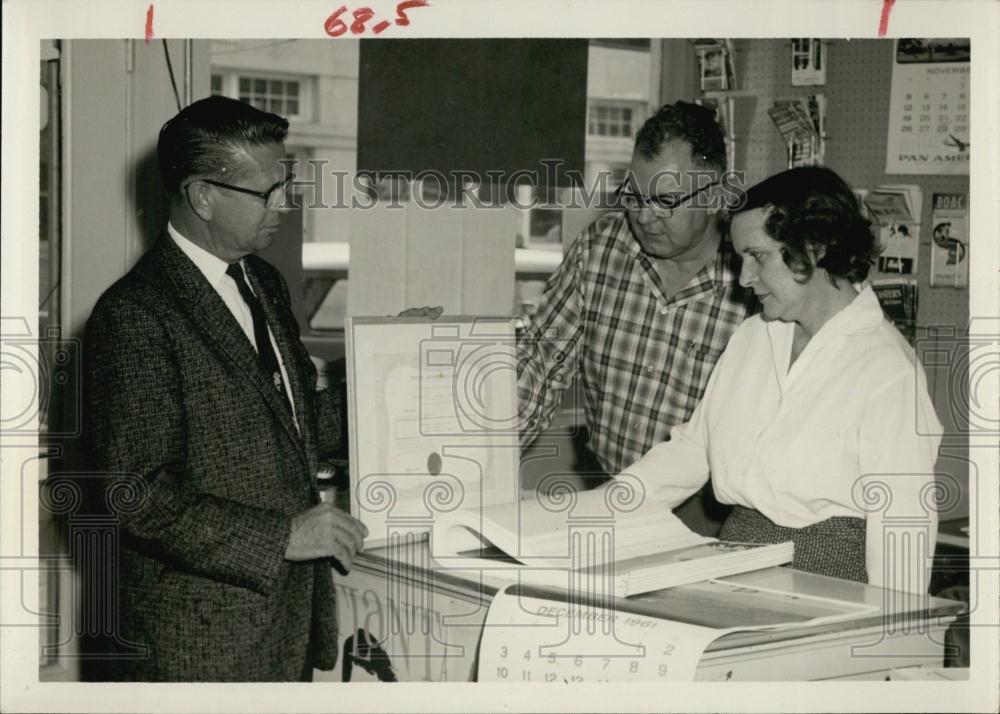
(661, 203)
(271, 197)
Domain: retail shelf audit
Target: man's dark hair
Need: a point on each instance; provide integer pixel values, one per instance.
(691, 123)
(210, 138)
(811, 207)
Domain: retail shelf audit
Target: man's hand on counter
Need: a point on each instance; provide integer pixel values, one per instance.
(324, 531)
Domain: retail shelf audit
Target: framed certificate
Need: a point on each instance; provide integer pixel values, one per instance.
(433, 421)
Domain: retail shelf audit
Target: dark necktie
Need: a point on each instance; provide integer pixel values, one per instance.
(268, 360)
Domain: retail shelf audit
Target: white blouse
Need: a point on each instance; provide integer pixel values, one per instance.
(847, 430)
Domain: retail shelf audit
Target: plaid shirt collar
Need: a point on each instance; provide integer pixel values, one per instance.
(716, 276)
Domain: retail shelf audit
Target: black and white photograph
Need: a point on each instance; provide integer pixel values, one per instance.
(517, 349)
(930, 49)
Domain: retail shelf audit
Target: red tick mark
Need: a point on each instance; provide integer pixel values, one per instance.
(883, 24)
(149, 23)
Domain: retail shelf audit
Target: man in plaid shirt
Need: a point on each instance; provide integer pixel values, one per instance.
(644, 302)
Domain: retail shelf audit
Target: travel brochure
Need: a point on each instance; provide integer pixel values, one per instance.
(801, 123)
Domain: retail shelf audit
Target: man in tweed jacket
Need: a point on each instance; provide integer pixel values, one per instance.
(211, 459)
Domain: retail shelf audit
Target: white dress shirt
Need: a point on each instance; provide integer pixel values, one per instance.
(214, 270)
(794, 442)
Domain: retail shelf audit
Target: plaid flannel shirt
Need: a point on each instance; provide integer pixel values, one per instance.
(643, 360)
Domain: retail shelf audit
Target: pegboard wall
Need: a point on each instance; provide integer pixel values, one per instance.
(857, 91)
(859, 80)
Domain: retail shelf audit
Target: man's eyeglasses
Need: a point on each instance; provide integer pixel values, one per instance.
(272, 197)
(663, 203)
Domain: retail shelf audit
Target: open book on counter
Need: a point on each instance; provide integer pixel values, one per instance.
(581, 540)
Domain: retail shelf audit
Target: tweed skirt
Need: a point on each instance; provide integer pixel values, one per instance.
(834, 547)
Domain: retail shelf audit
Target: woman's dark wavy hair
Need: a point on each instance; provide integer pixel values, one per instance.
(812, 207)
(210, 138)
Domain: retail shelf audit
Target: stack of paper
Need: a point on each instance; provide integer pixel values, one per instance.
(694, 564)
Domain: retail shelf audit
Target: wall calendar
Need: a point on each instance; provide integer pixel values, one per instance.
(929, 107)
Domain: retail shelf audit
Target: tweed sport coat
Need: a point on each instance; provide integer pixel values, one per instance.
(205, 469)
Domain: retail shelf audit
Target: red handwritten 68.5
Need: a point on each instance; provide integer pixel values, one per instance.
(335, 26)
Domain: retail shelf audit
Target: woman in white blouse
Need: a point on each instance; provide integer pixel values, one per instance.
(816, 423)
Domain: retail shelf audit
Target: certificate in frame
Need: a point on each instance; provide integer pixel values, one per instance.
(433, 421)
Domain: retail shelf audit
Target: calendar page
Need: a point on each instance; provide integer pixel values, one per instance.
(528, 639)
(536, 639)
(929, 107)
